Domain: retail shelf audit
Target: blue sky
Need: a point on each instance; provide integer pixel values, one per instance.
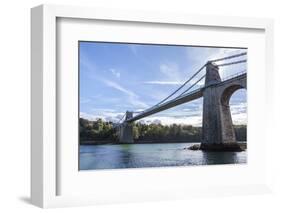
(118, 77)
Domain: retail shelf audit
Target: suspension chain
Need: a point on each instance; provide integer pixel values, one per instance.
(229, 57)
(231, 63)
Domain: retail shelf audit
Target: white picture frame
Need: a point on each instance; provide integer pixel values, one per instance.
(44, 148)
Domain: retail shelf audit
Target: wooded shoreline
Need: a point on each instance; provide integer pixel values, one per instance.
(135, 142)
(140, 142)
(102, 132)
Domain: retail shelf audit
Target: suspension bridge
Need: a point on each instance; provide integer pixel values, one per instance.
(217, 127)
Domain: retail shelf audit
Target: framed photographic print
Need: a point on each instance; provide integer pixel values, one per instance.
(130, 106)
(144, 119)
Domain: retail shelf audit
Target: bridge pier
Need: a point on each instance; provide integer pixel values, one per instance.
(126, 130)
(217, 131)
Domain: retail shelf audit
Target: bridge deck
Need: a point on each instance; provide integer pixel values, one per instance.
(178, 101)
(175, 102)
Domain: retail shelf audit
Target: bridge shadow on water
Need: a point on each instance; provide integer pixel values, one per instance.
(211, 157)
(126, 156)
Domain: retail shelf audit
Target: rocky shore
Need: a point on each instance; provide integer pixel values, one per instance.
(226, 147)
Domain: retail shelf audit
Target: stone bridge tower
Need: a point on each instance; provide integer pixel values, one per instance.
(125, 131)
(218, 131)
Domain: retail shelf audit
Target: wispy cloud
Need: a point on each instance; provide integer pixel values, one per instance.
(238, 108)
(118, 87)
(115, 73)
(132, 98)
(166, 120)
(170, 72)
(170, 75)
(84, 100)
(133, 48)
(86, 64)
(240, 118)
(102, 114)
(163, 82)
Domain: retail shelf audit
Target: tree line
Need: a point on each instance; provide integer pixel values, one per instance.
(100, 131)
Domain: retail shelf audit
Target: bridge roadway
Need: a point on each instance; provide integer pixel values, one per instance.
(198, 93)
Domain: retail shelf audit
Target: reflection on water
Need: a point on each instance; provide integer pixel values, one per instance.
(151, 155)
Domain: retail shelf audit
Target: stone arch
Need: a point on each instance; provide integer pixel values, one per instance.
(228, 134)
(228, 92)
